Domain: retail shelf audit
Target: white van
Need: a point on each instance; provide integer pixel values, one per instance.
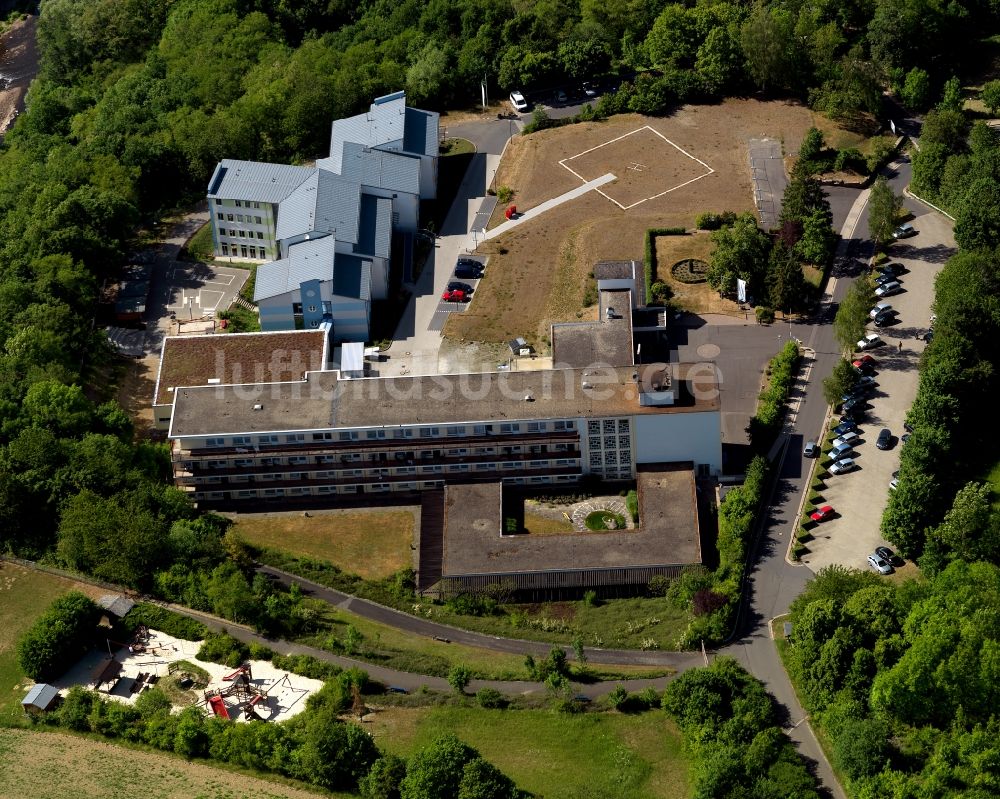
(882, 307)
(517, 100)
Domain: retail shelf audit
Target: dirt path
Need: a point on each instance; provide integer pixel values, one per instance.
(18, 67)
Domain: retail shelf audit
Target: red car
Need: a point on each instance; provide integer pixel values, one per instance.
(453, 295)
(865, 363)
(821, 514)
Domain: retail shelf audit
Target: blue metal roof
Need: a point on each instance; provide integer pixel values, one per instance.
(256, 181)
(375, 228)
(380, 168)
(420, 131)
(307, 260)
(324, 203)
(352, 277)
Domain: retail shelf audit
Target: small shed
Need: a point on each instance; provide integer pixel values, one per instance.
(40, 698)
(519, 347)
(352, 359)
(115, 605)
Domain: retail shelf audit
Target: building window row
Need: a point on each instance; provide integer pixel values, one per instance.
(243, 251)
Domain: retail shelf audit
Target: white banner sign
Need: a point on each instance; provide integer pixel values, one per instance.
(741, 290)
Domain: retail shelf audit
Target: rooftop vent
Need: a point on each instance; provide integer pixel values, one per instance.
(258, 407)
(587, 385)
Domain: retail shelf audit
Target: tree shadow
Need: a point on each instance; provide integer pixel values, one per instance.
(935, 254)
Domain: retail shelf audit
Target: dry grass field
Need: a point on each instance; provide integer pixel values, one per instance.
(53, 766)
(370, 543)
(538, 272)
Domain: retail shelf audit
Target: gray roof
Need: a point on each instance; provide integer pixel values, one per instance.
(323, 203)
(375, 227)
(116, 604)
(388, 124)
(420, 133)
(380, 168)
(606, 340)
(40, 695)
(256, 181)
(307, 260)
(324, 402)
(352, 277)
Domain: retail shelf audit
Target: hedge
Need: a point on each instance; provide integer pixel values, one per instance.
(649, 263)
(165, 621)
(765, 424)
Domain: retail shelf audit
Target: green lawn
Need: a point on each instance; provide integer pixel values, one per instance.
(199, 246)
(24, 596)
(555, 755)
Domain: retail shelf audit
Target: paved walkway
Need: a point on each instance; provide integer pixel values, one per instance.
(767, 171)
(548, 205)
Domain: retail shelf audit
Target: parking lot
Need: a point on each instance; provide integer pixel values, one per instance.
(446, 307)
(859, 498)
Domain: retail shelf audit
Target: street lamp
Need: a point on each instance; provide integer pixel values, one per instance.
(190, 305)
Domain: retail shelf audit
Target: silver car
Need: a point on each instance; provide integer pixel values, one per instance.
(843, 466)
(879, 564)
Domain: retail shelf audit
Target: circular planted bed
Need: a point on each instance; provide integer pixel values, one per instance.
(690, 270)
(604, 520)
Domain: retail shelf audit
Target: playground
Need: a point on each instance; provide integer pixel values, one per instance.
(252, 690)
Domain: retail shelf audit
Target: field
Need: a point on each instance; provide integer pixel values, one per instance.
(538, 273)
(372, 544)
(24, 595)
(554, 755)
(53, 766)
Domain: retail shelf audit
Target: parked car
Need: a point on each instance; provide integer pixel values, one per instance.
(890, 288)
(865, 364)
(892, 269)
(847, 438)
(886, 554)
(469, 269)
(822, 514)
(854, 402)
(517, 100)
(811, 449)
(867, 380)
(856, 414)
(879, 564)
(449, 295)
(894, 482)
(839, 451)
(884, 438)
(884, 277)
(845, 426)
(881, 307)
(885, 319)
(457, 285)
(396, 689)
(561, 96)
(588, 89)
(857, 390)
(869, 341)
(843, 466)
(904, 231)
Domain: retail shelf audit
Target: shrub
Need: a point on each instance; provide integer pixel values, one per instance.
(713, 221)
(459, 678)
(60, 637)
(223, 648)
(491, 699)
(764, 315)
(617, 697)
(591, 600)
(166, 621)
(632, 503)
(505, 194)
(306, 665)
(707, 601)
(658, 585)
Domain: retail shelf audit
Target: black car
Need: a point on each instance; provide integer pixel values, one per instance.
(856, 414)
(884, 438)
(457, 285)
(887, 555)
(469, 272)
(892, 269)
(884, 319)
(852, 403)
